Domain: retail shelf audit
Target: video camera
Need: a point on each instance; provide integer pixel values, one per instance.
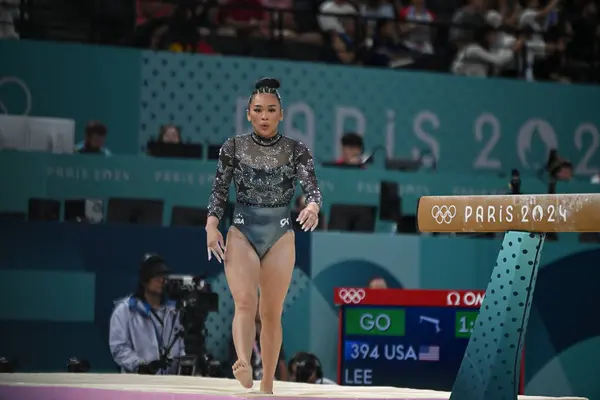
(194, 299)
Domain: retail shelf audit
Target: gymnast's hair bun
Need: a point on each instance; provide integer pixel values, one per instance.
(270, 83)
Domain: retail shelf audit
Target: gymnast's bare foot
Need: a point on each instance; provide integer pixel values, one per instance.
(243, 373)
(266, 387)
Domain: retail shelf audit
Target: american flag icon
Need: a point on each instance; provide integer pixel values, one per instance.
(429, 353)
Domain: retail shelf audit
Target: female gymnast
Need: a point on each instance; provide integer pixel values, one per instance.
(260, 251)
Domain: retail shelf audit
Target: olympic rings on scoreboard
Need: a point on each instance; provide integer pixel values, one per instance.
(352, 296)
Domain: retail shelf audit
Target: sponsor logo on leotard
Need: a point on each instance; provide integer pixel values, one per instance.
(284, 222)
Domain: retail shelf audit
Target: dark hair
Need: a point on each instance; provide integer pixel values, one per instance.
(165, 128)
(96, 127)
(306, 364)
(266, 85)
(352, 140)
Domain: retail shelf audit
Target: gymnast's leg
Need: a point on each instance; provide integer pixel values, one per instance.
(276, 271)
(242, 268)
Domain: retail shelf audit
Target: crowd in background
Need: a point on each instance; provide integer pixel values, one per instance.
(550, 40)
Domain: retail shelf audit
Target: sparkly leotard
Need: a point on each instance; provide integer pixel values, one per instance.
(265, 172)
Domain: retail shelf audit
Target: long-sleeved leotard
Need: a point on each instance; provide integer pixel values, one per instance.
(264, 171)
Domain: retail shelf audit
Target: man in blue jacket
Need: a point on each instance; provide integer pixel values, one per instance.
(145, 330)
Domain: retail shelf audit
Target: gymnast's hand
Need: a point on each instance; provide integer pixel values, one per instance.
(309, 217)
(214, 240)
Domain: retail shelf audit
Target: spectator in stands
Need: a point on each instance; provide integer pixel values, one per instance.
(242, 18)
(185, 30)
(342, 44)
(169, 134)
(387, 50)
(503, 40)
(471, 15)
(377, 283)
(256, 358)
(307, 368)
(477, 60)
(329, 23)
(536, 19)
(95, 137)
(9, 12)
(144, 327)
(352, 149)
(417, 38)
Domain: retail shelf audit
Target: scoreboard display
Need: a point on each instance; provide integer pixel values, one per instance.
(404, 338)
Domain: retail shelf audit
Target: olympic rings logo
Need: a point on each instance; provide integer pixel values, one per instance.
(353, 296)
(443, 214)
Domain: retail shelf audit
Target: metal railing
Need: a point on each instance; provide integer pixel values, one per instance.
(194, 21)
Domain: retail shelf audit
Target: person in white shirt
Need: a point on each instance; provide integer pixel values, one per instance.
(476, 58)
(329, 23)
(536, 19)
(502, 41)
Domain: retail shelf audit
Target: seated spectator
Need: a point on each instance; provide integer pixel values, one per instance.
(503, 41)
(307, 368)
(417, 37)
(186, 30)
(342, 44)
(242, 18)
(536, 19)
(256, 358)
(144, 327)
(329, 23)
(95, 137)
(169, 134)
(352, 149)
(475, 58)
(387, 49)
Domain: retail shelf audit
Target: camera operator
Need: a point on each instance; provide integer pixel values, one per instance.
(145, 331)
(306, 368)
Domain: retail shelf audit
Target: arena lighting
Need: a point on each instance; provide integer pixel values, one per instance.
(76, 365)
(8, 365)
(495, 347)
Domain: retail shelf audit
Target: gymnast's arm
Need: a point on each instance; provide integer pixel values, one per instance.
(305, 172)
(220, 190)
(119, 342)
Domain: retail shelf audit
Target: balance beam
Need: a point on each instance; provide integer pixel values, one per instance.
(490, 368)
